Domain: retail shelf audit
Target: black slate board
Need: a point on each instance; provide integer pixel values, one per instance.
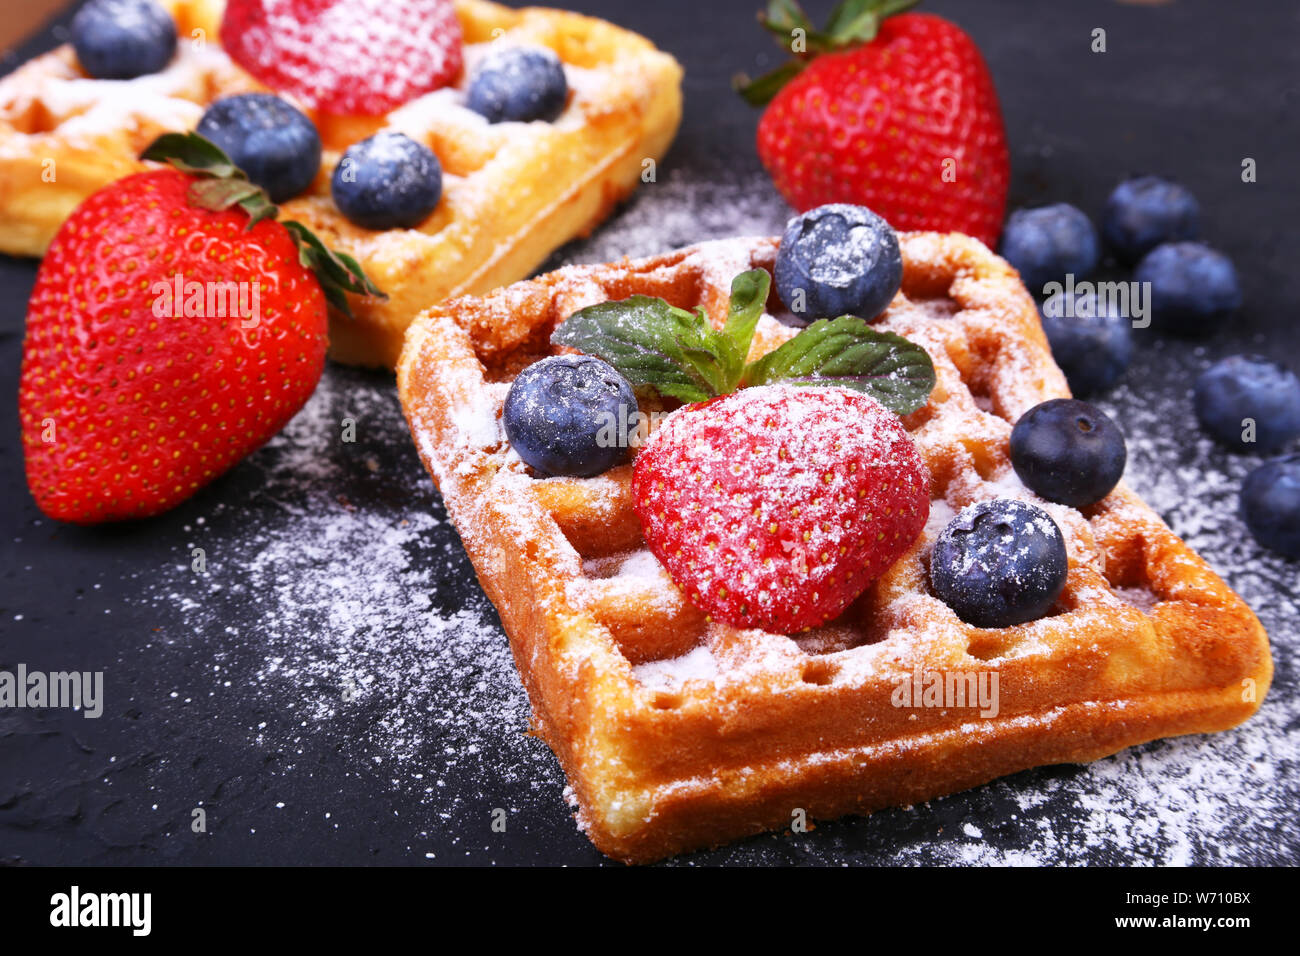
(1184, 89)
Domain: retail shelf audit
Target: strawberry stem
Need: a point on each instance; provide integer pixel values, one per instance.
(221, 185)
(852, 23)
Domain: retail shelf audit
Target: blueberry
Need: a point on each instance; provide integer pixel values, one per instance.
(275, 145)
(1048, 243)
(519, 84)
(838, 260)
(1270, 505)
(1068, 451)
(999, 563)
(1144, 212)
(1249, 387)
(1193, 287)
(123, 39)
(1090, 339)
(388, 181)
(570, 415)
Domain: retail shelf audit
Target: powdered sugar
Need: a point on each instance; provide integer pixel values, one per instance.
(348, 596)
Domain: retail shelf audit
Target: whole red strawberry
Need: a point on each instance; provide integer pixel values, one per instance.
(897, 113)
(167, 337)
(776, 506)
(346, 57)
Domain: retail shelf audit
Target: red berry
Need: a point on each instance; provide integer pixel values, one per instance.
(131, 399)
(775, 507)
(908, 125)
(346, 57)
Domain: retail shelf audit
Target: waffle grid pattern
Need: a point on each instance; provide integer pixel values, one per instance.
(678, 733)
(513, 192)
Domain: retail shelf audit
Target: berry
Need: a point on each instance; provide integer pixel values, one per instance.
(388, 181)
(275, 144)
(1270, 505)
(999, 563)
(123, 39)
(1144, 212)
(1068, 451)
(776, 506)
(1049, 243)
(838, 260)
(570, 415)
(346, 57)
(165, 341)
(1091, 341)
(1193, 287)
(903, 119)
(518, 84)
(1249, 387)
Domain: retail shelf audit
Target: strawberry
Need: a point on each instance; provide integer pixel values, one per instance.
(775, 507)
(894, 112)
(346, 57)
(173, 328)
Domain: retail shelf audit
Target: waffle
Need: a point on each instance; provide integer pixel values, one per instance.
(678, 733)
(512, 192)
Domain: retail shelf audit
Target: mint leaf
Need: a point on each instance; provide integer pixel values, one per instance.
(677, 353)
(651, 343)
(748, 298)
(849, 353)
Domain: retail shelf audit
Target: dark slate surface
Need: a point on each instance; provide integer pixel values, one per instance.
(1184, 89)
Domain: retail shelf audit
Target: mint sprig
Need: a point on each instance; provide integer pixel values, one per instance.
(222, 184)
(677, 353)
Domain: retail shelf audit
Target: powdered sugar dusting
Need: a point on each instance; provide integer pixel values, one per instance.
(350, 596)
(351, 621)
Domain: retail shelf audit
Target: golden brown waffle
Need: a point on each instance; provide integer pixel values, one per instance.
(679, 733)
(513, 192)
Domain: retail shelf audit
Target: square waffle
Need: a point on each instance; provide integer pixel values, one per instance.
(512, 192)
(676, 732)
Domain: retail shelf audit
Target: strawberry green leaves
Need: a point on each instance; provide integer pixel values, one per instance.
(678, 354)
(221, 184)
(851, 23)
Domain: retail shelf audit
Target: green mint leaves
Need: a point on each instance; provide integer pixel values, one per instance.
(681, 356)
(222, 184)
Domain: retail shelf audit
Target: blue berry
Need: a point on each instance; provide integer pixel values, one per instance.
(1091, 341)
(1193, 287)
(838, 260)
(1249, 387)
(519, 84)
(1068, 451)
(570, 415)
(123, 39)
(1048, 243)
(1144, 212)
(274, 143)
(999, 563)
(388, 181)
(1270, 505)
